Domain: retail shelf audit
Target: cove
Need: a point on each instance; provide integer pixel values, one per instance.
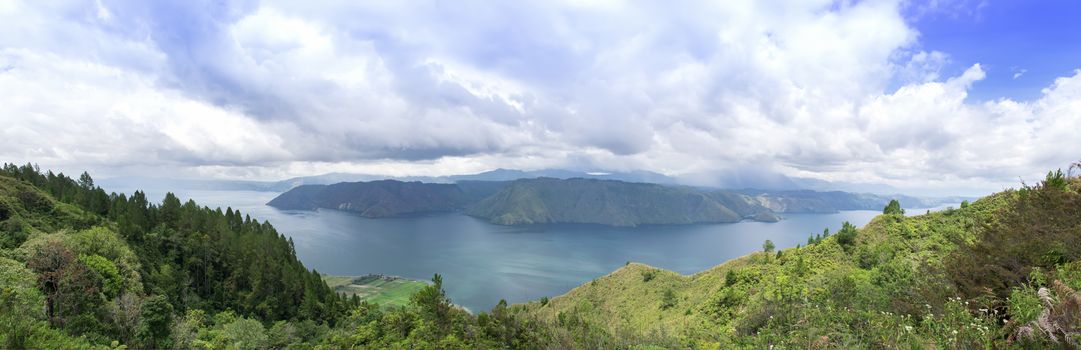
(482, 263)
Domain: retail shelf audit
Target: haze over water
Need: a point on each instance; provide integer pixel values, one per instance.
(482, 263)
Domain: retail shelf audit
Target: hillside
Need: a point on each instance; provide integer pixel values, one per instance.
(606, 202)
(1000, 272)
(82, 267)
(375, 199)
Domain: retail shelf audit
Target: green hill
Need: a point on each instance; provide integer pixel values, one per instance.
(1001, 272)
(607, 202)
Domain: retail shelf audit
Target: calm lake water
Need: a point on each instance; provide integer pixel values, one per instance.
(482, 263)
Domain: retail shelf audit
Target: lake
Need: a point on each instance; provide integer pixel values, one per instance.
(482, 263)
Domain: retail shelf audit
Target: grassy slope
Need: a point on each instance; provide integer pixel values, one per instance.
(390, 293)
(625, 301)
(628, 302)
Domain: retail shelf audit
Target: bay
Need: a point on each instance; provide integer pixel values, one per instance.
(482, 263)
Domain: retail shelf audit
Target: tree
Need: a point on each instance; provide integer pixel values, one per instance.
(157, 319)
(64, 279)
(244, 333)
(85, 181)
(846, 237)
(768, 246)
(893, 208)
(433, 304)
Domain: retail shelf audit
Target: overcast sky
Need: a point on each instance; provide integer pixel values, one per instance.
(956, 96)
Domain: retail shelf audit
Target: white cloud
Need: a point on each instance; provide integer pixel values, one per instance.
(78, 113)
(838, 91)
(1018, 73)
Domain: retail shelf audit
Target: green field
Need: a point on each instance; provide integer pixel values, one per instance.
(388, 291)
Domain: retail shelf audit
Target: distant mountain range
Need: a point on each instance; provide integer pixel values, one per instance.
(734, 179)
(777, 193)
(532, 201)
(333, 178)
(577, 200)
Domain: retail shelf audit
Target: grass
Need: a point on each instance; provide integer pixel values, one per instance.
(386, 291)
(625, 300)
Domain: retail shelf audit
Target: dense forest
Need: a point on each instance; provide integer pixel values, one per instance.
(81, 268)
(108, 267)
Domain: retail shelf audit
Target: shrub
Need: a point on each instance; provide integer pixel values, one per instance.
(846, 237)
(669, 299)
(1056, 179)
(648, 275)
(893, 208)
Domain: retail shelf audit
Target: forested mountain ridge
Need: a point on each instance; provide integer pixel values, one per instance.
(607, 202)
(576, 200)
(375, 199)
(528, 201)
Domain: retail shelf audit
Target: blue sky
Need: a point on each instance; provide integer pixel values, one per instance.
(942, 96)
(1037, 41)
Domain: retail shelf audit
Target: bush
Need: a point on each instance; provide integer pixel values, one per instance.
(669, 300)
(893, 208)
(846, 237)
(648, 275)
(34, 202)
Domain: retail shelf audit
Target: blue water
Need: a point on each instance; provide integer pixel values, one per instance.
(482, 263)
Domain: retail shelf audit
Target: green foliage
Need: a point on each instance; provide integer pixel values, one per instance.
(242, 334)
(846, 237)
(104, 271)
(648, 275)
(1037, 230)
(1024, 305)
(768, 246)
(157, 319)
(893, 208)
(669, 300)
(96, 257)
(967, 278)
(1056, 180)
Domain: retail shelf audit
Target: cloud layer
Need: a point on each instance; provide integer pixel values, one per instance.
(824, 89)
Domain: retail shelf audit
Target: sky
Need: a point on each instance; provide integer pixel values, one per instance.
(955, 97)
